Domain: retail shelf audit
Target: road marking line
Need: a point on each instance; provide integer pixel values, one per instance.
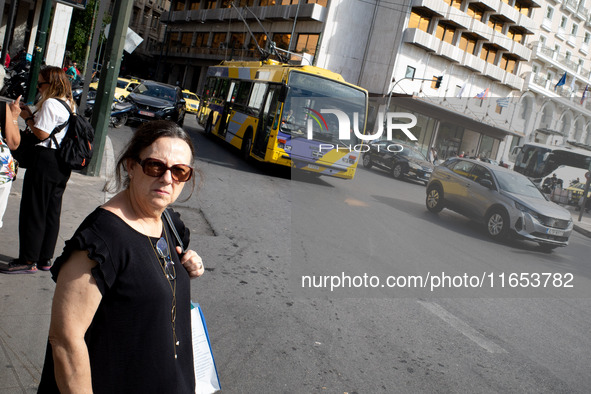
(462, 327)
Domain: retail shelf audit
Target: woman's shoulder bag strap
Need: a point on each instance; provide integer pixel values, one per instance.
(174, 230)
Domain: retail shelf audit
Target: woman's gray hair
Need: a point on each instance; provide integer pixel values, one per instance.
(2, 75)
(143, 137)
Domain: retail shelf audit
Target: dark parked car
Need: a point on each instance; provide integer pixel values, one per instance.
(155, 100)
(400, 159)
(507, 202)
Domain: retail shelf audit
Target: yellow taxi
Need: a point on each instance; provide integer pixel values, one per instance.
(122, 89)
(575, 192)
(191, 101)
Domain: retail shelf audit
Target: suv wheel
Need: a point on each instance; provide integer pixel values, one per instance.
(434, 199)
(397, 171)
(497, 224)
(367, 160)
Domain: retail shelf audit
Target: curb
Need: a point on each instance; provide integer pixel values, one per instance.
(583, 231)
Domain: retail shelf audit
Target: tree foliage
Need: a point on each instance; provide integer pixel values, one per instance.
(81, 31)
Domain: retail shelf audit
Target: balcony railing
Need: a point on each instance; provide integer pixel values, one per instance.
(541, 80)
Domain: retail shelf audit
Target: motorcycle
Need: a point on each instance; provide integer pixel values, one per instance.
(16, 81)
(119, 112)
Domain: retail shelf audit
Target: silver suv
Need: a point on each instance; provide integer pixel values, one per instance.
(506, 201)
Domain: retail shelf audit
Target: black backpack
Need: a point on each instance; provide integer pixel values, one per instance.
(77, 146)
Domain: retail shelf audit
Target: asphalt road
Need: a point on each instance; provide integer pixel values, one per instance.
(261, 232)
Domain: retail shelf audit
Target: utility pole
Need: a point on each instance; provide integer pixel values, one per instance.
(88, 71)
(107, 81)
(39, 50)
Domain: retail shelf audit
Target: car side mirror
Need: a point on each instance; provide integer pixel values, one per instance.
(182, 101)
(486, 183)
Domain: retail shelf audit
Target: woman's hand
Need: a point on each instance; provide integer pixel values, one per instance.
(192, 262)
(15, 108)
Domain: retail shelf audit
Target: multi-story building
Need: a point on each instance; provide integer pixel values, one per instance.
(558, 78)
(145, 21)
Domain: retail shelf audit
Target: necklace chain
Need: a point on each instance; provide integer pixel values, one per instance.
(172, 284)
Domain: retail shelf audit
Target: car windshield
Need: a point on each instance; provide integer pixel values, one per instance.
(514, 182)
(122, 84)
(190, 96)
(413, 154)
(157, 91)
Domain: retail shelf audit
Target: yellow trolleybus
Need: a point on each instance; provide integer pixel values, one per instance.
(286, 114)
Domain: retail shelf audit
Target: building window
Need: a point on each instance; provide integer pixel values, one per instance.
(522, 8)
(186, 40)
(210, 5)
(454, 3)
(488, 54)
(219, 40)
(418, 21)
(194, 5)
(245, 3)
(410, 72)
(475, 11)
(468, 43)
(515, 35)
(261, 39)
(282, 40)
(266, 2)
(574, 29)
(587, 37)
(508, 63)
(307, 43)
(563, 22)
(568, 55)
(543, 40)
(445, 32)
(201, 40)
(173, 41)
(226, 4)
(495, 24)
(288, 2)
(549, 12)
(237, 40)
(319, 2)
(180, 5)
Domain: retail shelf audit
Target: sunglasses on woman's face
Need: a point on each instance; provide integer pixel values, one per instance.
(156, 168)
(39, 84)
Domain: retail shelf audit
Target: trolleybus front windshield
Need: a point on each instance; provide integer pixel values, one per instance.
(309, 95)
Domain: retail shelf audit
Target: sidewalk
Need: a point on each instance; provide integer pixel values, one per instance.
(584, 226)
(26, 299)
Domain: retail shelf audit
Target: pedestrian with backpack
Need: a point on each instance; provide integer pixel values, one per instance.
(46, 176)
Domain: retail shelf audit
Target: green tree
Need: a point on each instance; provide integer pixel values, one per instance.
(80, 31)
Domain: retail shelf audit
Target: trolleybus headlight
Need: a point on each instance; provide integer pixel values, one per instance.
(281, 143)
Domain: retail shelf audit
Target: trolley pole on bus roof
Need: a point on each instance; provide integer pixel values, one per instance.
(101, 114)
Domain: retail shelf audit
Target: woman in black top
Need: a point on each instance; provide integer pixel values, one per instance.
(120, 319)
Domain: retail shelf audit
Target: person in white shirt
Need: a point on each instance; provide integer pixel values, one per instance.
(46, 177)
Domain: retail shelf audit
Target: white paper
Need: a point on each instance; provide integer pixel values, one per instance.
(206, 377)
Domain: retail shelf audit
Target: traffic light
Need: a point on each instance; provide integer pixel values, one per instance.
(438, 82)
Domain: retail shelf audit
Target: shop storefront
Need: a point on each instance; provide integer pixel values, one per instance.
(452, 134)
